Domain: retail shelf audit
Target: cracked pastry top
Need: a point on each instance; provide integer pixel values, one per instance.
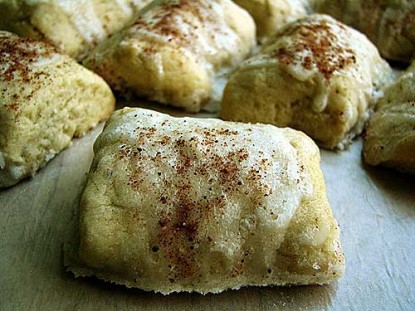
(316, 75)
(46, 98)
(177, 52)
(73, 26)
(186, 204)
(390, 132)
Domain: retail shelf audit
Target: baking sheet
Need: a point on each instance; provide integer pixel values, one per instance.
(375, 208)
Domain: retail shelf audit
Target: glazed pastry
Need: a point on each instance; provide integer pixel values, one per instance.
(178, 52)
(186, 204)
(272, 15)
(316, 75)
(46, 98)
(390, 133)
(389, 24)
(73, 26)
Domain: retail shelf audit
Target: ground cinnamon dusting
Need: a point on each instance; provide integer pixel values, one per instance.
(193, 156)
(321, 43)
(17, 57)
(17, 54)
(166, 21)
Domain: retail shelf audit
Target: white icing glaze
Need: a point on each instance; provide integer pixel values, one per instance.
(365, 67)
(202, 32)
(82, 14)
(281, 186)
(47, 61)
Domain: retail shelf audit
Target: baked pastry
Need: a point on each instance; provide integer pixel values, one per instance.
(389, 24)
(178, 52)
(46, 98)
(390, 133)
(186, 204)
(272, 15)
(74, 26)
(316, 75)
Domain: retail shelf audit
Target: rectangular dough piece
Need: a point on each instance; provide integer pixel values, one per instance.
(390, 132)
(73, 26)
(315, 75)
(185, 204)
(46, 98)
(177, 52)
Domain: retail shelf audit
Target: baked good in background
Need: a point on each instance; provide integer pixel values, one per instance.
(187, 204)
(46, 99)
(316, 75)
(390, 133)
(272, 15)
(389, 24)
(177, 52)
(74, 26)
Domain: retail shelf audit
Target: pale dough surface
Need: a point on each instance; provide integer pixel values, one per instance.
(390, 133)
(185, 204)
(316, 75)
(389, 24)
(177, 52)
(73, 26)
(46, 99)
(272, 15)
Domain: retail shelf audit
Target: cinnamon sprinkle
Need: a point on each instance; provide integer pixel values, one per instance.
(181, 219)
(321, 43)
